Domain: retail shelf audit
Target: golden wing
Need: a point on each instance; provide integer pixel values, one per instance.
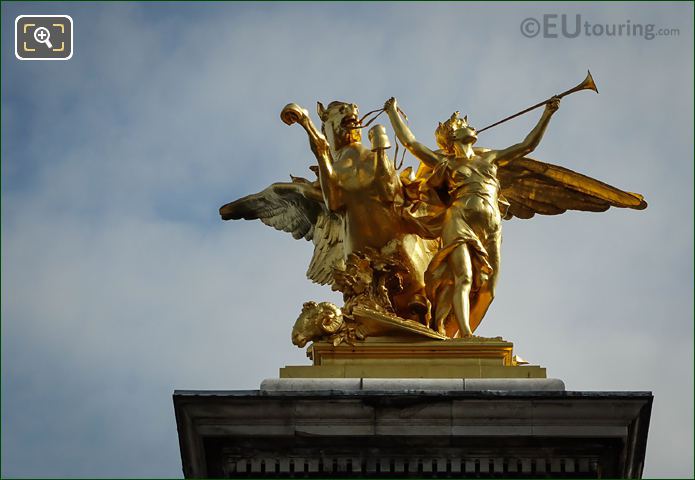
(297, 208)
(533, 187)
(328, 248)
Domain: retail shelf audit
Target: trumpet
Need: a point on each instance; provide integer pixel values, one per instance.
(586, 84)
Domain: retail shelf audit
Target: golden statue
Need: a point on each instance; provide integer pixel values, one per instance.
(406, 248)
(354, 214)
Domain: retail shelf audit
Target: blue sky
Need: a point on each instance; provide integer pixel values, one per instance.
(121, 284)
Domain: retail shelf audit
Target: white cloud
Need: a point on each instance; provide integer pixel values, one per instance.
(121, 284)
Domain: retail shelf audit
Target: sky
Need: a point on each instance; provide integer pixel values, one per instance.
(120, 283)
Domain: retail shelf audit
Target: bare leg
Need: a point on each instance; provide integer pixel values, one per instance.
(486, 294)
(462, 268)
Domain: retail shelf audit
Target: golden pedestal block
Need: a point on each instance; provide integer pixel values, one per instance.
(389, 357)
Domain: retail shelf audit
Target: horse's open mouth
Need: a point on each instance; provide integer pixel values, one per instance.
(350, 122)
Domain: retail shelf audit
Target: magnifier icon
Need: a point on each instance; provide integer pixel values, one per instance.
(43, 35)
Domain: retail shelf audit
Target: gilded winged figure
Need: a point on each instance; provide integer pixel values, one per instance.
(411, 249)
(354, 212)
(467, 192)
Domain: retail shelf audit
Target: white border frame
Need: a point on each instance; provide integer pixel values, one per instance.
(72, 32)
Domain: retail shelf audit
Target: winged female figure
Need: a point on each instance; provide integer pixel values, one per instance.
(466, 193)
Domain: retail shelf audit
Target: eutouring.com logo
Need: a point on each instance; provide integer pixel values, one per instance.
(553, 25)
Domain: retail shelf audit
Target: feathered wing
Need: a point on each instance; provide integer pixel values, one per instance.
(328, 248)
(296, 208)
(533, 187)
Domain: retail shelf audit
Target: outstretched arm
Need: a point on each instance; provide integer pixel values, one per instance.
(532, 139)
(293, 113)
(424, 154)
